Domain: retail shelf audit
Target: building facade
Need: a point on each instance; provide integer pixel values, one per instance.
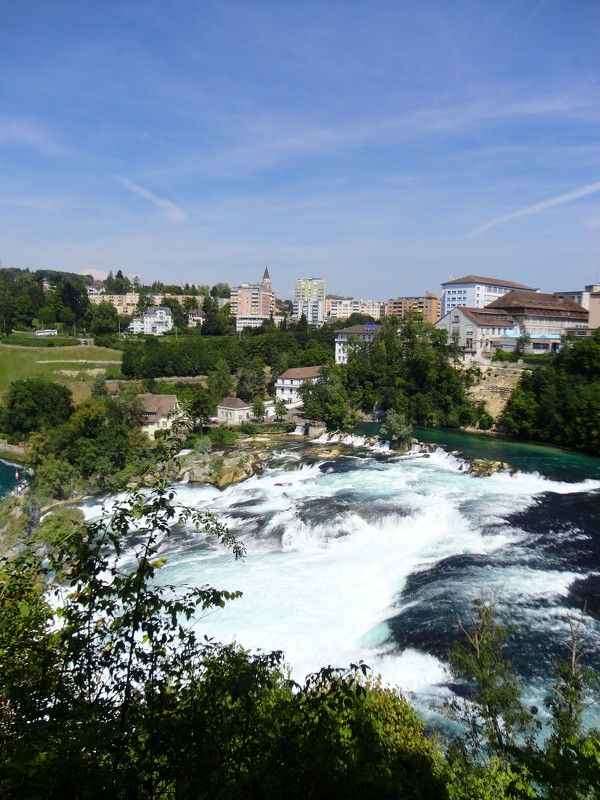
(126, 304)
(288, 384)
(429, 307)
(475, 329)
(154, 322)
(159, 411)
(542, 314)
(355, 333)
(233, 411)
(536, 321)
(475, 291)
(309, 299)
(343, 307)
(313, 310)
(253, 300)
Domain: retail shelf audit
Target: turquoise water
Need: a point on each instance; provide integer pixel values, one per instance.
(7, 476)
(552, 462)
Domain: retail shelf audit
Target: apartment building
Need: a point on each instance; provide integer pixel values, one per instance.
(154, 322)
(342, 307)
(346, 338)
(429, 307)
(309, 299)
(253, 301)
(126, 304)
(476, 291)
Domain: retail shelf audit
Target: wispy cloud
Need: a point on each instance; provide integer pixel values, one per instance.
(26, 133)
(172, 211)
(569, 197)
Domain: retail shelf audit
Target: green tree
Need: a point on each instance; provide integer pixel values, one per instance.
(250, 381)
(258, 407)
(220, 382)
(105, 319)
(280, 409)
(396, 429)
(32, 404)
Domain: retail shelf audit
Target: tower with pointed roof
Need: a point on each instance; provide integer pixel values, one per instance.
(266, 281)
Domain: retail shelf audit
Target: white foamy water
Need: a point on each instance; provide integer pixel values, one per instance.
(368, 559)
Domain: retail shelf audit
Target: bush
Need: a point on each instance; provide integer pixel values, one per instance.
(222, 435)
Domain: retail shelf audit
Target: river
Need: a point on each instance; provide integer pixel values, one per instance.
(8, 476)
(371, 556)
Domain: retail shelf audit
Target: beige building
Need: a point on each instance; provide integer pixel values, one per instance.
(542, 314)
(343, 307)
(594, 319)
(126, 304)
(429, 307)
(233, 411)
(159, 412)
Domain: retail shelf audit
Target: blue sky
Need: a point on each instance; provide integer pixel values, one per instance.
(383, 146)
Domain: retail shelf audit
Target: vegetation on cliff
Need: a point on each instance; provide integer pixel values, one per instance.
(560, 402)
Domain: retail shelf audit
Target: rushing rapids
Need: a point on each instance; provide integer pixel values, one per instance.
(373, 555)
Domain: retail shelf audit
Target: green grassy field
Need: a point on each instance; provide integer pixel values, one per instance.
(76, 367)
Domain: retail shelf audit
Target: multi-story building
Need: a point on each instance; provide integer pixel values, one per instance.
(343, 307)
(196, 318)
(538, 320)
(159, 412)
(429, 307)
(309, 299)
(355, 333)
(126, 304)
(288, 384)
(475, 291)
(580, 296)
(154, 322)
(539, 313)
(311, 309)
(475, 329)
(253, 300)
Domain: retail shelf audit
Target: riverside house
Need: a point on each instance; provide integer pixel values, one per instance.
(159, 412)
(288, 384)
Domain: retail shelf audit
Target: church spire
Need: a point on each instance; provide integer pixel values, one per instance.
(266, 281)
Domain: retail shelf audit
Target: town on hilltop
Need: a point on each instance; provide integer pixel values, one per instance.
(481, 314)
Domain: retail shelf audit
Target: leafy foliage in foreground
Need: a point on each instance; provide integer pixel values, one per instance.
(531, 755)
(106, 689)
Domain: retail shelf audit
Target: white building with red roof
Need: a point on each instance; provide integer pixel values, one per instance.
(476, 291)
(288, 384)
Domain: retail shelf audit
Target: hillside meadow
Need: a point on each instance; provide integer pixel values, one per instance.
(76, 367)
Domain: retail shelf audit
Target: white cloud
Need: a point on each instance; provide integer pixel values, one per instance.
(569, 197)
(22, 132)
(172, 211)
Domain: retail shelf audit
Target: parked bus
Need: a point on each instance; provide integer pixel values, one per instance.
(47, 332)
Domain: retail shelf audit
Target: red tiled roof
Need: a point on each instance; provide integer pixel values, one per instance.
(233, 402)
(480, 317)
(544, 304)
(361, 328)
(302, 373)
(156, 406)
